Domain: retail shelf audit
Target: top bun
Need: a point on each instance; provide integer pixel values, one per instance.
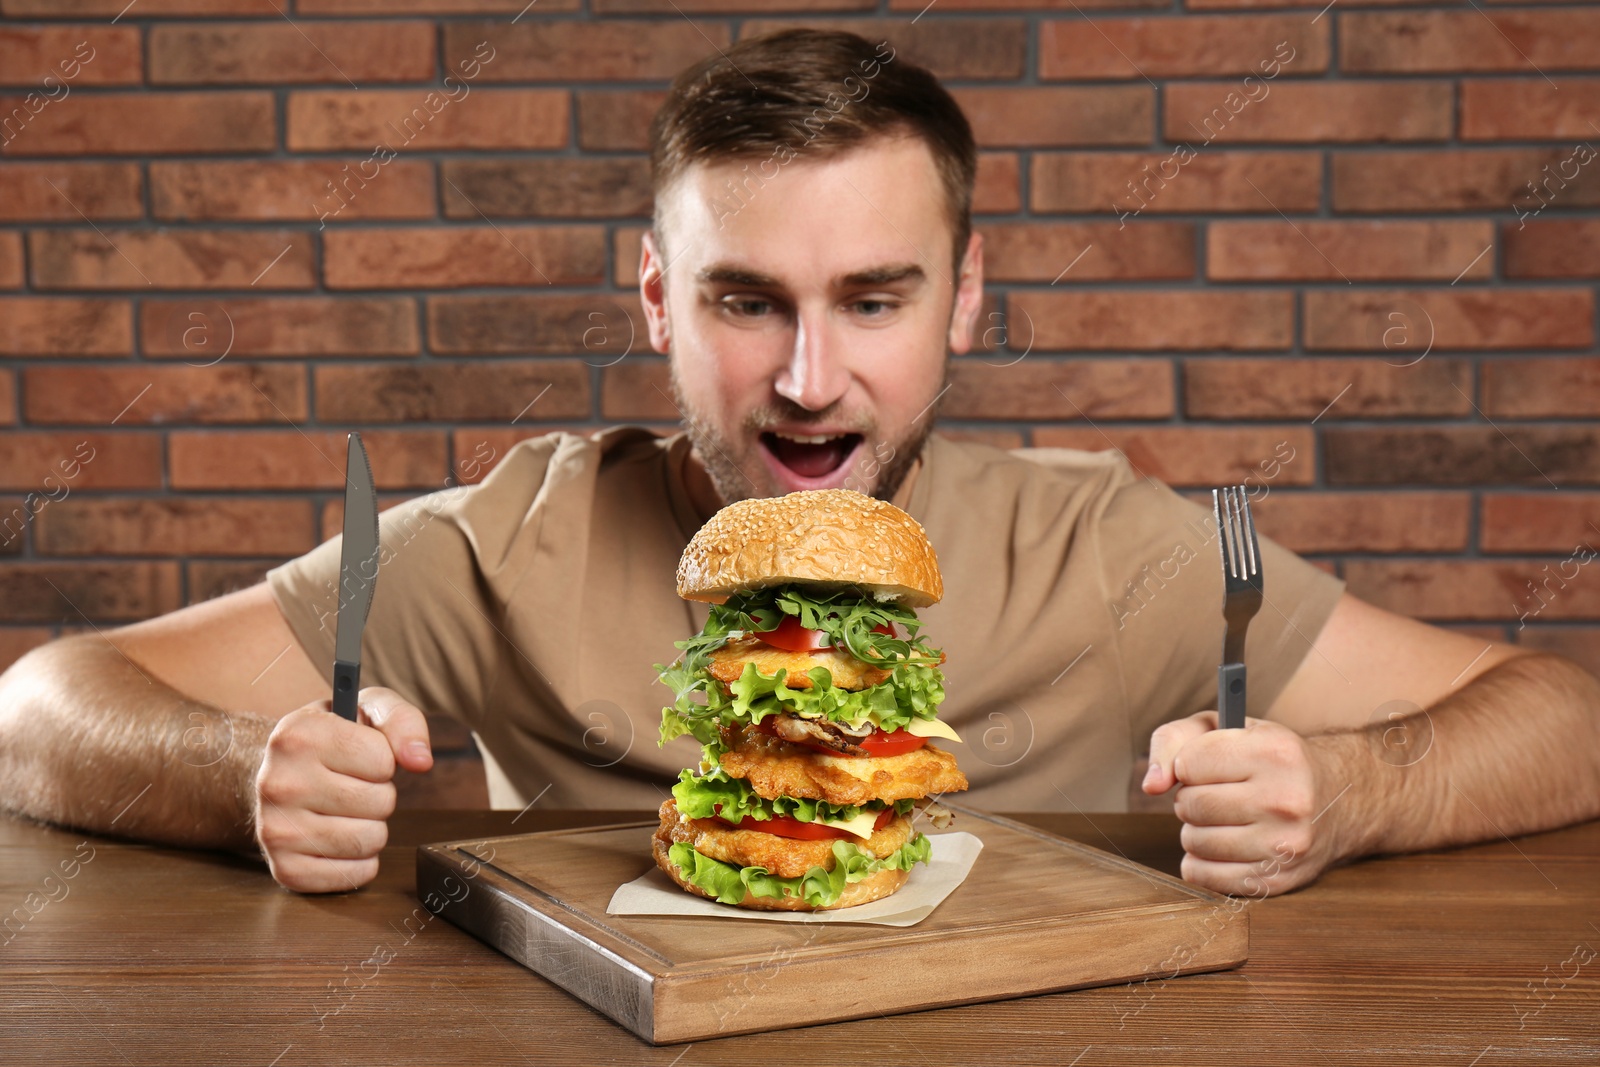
(833, 537)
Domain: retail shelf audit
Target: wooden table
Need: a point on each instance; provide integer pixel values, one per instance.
(1482, 956)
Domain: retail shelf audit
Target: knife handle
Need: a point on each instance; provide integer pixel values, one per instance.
(1230, 696)
(346, 684)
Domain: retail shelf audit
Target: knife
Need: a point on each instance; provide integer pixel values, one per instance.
(358, 576)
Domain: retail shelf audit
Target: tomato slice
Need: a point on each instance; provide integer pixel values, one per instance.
(877, 743)
(788, 826)
(790, 636)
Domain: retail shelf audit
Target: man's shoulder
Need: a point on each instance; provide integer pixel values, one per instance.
(970, 459)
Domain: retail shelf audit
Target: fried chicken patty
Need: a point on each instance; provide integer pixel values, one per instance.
(776, 768)
(783, 856)
(727, 663)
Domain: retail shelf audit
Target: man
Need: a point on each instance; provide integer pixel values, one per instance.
(810, 267)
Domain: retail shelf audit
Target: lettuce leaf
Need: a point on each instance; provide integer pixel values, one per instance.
(704, 796)
(818, 887)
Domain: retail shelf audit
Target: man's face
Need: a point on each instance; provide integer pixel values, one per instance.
(808, 316)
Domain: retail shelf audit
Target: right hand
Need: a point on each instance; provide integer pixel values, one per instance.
(325, 788)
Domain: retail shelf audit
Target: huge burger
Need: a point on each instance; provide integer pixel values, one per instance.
(813, 696)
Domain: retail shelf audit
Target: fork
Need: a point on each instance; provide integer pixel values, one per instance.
(1241, 599)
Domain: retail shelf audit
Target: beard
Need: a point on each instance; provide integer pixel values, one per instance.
(879, 467)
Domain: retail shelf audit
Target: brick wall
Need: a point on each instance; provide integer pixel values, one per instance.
(1346, 253)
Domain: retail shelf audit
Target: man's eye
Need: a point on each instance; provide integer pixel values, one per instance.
(749, 307)
(875, 309)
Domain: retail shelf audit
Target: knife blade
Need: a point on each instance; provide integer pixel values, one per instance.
(358, 576)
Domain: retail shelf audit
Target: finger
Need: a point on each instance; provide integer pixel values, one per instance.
(1166, 741)
(1219, 756)
(1228, 804)
(312, 874)
(1225, 844)
(349, 797)
(402, 723)
(1260, 879)
(293, 830)
(354, 749)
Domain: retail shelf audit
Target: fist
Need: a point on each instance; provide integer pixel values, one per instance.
(325, 789)
(1250, 801)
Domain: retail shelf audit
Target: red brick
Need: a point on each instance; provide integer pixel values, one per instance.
(1309, 250)
(976, 49)
(670, 7)
(16, 641)
(142, 124)
(1581, 644)
(538, 324)
(569, 188)
(1569, 248)
(1309, 112)
(1154, 321)
(1521, 109)
(292, 53)
(209, 579)
(582, 50)
(98, 190)
(198, 330)
(636, 390)
(110, 258)
(210, 526)
(293, 189)
(79, 591)
(1447, 42)
(1046, 251)
(1539, 455)
(1058, 389)
(430, 7)
(626, 242)
(71, 55)
(997, 189)
(227, 392)
(455, 256)
(1058, 116)
(1475, 589)
(1362, 522)
(1137, 182)
(79, 459)
(1539, 522)
(1409, 322)
(8, 398)
(1258, 5)
(454, 392)
(617, 119)
(147, 8)
(1064, 6)
(1492, 179)
(65, 326)
(1192, 46)
(10, 260)
(1192, 455)
(1530, 387)
(295, 459)
(1233, 389)
(426, 119)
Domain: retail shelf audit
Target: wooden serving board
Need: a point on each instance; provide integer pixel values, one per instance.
(1036, 914)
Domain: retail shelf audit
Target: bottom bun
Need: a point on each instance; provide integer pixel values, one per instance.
(873, 887)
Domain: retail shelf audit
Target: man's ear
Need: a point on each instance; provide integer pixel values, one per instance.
(969, 296)
(653, 292)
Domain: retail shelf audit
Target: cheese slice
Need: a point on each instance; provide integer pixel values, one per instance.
(931, 728)
(861, 825)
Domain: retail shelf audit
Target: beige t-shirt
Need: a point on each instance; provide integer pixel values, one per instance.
(1082, 609)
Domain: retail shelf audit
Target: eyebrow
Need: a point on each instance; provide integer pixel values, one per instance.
(729, 274)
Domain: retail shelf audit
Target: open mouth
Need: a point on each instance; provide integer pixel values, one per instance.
(811, 456)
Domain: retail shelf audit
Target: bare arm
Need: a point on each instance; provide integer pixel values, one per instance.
(182, 704)
(1392, 736)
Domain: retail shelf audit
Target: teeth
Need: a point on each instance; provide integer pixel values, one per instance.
(808, 439)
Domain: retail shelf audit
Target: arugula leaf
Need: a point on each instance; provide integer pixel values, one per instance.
(818, 887)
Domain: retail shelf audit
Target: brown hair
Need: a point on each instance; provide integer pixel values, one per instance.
(772, 97)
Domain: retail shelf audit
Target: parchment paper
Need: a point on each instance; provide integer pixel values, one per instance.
(653, 893)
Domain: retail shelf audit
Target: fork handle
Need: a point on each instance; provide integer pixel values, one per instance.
(1230, 696)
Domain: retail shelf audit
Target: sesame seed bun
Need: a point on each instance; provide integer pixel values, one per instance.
(832, 537)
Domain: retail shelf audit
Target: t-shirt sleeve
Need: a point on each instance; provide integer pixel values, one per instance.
(1163, 587)
(429, 635)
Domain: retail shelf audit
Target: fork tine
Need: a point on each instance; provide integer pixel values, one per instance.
(1243, 570)
(1250, 530)
(1235, 549)
(1219, 509)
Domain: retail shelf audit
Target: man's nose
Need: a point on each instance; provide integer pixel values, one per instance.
(815, 375)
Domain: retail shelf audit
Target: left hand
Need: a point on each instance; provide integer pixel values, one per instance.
(1249, 800)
